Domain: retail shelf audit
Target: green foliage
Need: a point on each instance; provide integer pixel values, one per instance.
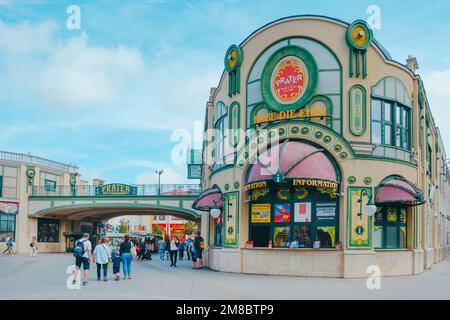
(123, 225)
(157, 230)
(189, 227)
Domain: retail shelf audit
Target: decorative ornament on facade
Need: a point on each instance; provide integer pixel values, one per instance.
(31, 173)
(233, 60)
(359, 36)
(289, 79)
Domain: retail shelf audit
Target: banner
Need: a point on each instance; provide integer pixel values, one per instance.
(282, 213)
(9, 207)
(261, 213)
(302, 212)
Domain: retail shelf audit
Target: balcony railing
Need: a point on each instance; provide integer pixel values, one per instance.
(38, 161)
(141, 190)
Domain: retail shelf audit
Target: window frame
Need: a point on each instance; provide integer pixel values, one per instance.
(53, 187)
(397, 224)
(5, 217)
(394, 124)
(46, 221)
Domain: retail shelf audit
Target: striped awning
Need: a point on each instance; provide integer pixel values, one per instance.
(293, 159)
(206, 199)
(397, 190)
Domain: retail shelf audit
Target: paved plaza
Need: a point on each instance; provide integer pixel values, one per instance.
(44, 277)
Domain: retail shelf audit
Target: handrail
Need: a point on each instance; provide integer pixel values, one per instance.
(34, 160)
(141, 190)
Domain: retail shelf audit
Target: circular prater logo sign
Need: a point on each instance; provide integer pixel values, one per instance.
(289, 80)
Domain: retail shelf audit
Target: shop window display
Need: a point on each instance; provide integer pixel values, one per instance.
(306, 215)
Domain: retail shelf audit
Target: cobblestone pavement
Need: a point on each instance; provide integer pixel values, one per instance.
(44, 277)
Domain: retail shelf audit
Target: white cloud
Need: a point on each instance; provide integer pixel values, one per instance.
(437, 85)
(118, 87)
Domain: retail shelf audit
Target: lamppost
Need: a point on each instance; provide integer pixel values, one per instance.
(159, 172)
(369, 208)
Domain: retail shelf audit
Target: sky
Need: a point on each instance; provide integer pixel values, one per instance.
(115, 96)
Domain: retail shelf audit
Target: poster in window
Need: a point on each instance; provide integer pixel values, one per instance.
(281, 236)
(261, 213)
(282, 212)
(302, 212)
(326, 212)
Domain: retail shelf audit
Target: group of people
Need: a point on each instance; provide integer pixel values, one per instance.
(175, 248)
(10, 245)
(103, 255)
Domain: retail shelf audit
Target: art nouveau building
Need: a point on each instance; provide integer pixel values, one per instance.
(311, 126)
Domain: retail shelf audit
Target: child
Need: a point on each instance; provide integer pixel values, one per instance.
(116, 260)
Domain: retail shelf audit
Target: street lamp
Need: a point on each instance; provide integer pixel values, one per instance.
(370, 208)
(159, 172)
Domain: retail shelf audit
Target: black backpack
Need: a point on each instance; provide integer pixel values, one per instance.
(78, 250)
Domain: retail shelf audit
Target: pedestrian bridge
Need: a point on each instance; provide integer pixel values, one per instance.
(97, 203)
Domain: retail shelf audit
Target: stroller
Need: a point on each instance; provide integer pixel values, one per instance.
(147, 255)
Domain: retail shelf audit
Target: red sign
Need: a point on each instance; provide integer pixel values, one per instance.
(289, 80)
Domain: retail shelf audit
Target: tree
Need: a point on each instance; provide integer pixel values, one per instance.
(189, 227)
(123, 225)
(157, 230)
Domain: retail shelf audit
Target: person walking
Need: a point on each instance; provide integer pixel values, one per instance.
(125, 253)
(141, 249)
(188, 248)
(162, 249)
(192, 251)
(199, 245)
(148, 250)
(7, 240)
(83, 256)
(116, 260)
(181, 249)
(34, 248)
(167, 247)
(101, 258)
(173, 251)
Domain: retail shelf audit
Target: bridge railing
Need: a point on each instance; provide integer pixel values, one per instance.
(141, 190)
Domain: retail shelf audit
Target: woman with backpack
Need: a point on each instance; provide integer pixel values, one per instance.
(101, 258)
(125, 253)
(199, 245)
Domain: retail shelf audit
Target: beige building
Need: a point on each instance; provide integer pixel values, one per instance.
(323, 157)
(47, 199)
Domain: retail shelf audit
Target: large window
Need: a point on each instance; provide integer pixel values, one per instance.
(8, 182)
(292, 217)
(220, 124)
(7, 226)
(390, 228)
(48, 230)
(50, 185)
(49, 181)
(391, 124)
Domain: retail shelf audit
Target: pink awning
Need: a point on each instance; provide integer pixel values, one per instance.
(294, 159)
(398, 191)
(206, 200)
